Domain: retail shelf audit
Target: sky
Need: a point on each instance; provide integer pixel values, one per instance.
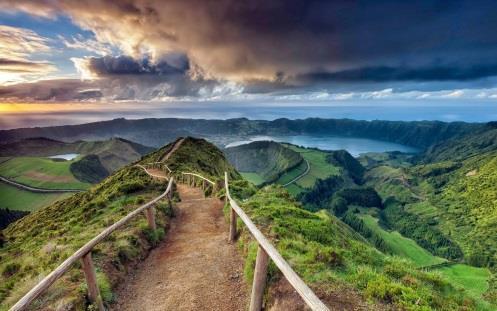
(145, 53)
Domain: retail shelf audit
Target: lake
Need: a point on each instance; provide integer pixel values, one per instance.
(67, 156)
(355, 146)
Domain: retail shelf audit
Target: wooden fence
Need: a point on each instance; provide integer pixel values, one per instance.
(265, 251)
(84, 254)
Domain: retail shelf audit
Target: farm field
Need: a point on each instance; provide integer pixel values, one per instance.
(41, 172)
(17, 199)
(400, 245)
(320, 169)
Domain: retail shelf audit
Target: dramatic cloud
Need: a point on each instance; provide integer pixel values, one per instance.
(90, 45)
(182, 48)
(17, 46)
(50, 90)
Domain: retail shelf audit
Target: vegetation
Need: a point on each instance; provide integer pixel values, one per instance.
(425, 235)
(7, 216)
(39, 242)
(267, 159)
(113, 153)
(88, 169)
(320, 168)
(349, 164)
(42, 173)
(330, 257)
(14, 198)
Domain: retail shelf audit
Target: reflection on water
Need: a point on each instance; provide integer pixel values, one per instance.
(355, 146)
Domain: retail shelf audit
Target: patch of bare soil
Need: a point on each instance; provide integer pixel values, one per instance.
(35, 175)
(193, 269)
(471, 173)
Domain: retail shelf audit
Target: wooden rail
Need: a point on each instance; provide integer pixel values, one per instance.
(84, 254)
(265, 251)
(149, 173)
(158, 165)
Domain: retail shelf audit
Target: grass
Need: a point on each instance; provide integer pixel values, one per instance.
(400, 245)
(331, 258)
(254, 178)
(473, 279)
(320, 169)
(16, 199)
(41, 172)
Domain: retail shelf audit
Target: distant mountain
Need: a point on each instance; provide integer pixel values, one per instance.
(112, 154)
(462, 147)
(268, 159)
(156, 132)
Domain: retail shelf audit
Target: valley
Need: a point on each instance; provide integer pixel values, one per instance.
(412, 230)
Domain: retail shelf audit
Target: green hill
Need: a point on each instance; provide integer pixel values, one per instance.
(113, 153)
(27, 162)
(264, 161)
(39, 242)
(337, 262)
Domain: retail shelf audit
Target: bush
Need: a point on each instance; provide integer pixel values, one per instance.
(154, 236)
(10, 269)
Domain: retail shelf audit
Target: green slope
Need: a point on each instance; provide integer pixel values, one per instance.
(400, 245)
(39, 242)
(22, 200)
(42, 173)
(335, 260)
(268, 160)
(320, 168)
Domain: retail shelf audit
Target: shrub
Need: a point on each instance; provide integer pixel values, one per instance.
(10, 269)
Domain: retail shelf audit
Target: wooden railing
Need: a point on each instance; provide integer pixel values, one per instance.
(265, 251)
(158, 165)
(84, 254)
(193, 178)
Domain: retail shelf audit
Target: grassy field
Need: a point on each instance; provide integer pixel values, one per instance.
(254, 178)
(17, 199)
(320, 169)
(473, 279)
(41, 172)
(400, 245)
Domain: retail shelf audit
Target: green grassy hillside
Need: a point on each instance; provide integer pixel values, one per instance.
(336, 261)
(265, 161)
(320, 168)
(464, 203)
(39, 242)
(42, 173)
(16, 199)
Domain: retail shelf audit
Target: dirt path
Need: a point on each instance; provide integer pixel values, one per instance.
(194, 268)
(175, 147)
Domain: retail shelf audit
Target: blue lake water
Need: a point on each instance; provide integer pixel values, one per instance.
(67, 156)
(355, 146)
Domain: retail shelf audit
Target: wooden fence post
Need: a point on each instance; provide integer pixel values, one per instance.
(149, 212)
(232, 224)
(259, 283)
(91, 281)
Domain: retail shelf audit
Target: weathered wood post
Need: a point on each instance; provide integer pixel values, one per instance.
(91, 281)
(149, 212)
(259, 283)
(232, 212)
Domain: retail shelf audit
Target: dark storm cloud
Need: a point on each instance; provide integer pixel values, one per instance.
(128, 78)
(384, 73)
(124, 65)
(283, 44)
